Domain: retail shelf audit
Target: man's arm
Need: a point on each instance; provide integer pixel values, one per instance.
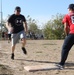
(8, 26)
(66, 29)
(25, 26)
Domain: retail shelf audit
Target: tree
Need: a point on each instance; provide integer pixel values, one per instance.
(32, 25)
(54, 28)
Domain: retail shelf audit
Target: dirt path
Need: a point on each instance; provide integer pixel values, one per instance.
(39, 52)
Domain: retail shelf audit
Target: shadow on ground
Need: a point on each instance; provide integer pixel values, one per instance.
(69, 66)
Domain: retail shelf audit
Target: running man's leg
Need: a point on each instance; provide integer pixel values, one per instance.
(68, 43)
(15, 38)
(12, 55)
(23, 41)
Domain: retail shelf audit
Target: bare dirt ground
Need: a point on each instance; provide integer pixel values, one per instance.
(39, 52)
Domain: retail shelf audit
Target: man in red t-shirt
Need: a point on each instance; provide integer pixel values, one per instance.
(68, 22)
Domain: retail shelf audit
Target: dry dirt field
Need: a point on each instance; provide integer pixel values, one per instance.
(39, 52)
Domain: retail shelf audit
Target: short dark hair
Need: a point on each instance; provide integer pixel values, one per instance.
(71, 6)
(18, 8)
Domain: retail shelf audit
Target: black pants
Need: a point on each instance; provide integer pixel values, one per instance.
(68, 43)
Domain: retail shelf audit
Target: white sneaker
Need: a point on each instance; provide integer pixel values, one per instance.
(61, 67)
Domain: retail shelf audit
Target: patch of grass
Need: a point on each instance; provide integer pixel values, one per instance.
(45, 47)
(1, 65)
(31, 43)
(55, 49)
(39, 52)
(4, 69)
(49, 44)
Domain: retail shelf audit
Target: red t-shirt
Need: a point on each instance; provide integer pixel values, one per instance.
(69, 18)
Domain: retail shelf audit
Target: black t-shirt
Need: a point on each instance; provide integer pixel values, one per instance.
(16, 22)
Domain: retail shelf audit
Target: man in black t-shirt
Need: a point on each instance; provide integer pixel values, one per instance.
(16, 24)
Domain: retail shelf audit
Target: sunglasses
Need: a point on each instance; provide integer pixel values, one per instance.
(18, 10)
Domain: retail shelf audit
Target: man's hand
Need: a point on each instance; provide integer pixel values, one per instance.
(10, 29)
(26, 31)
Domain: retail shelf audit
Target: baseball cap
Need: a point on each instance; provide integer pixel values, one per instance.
(71, 6)
(18, 8)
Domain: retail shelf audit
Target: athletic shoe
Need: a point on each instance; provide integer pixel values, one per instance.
(12, 56)
(61, 67)
(24, 50)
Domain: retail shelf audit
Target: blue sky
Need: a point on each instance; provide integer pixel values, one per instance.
(41, 10)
